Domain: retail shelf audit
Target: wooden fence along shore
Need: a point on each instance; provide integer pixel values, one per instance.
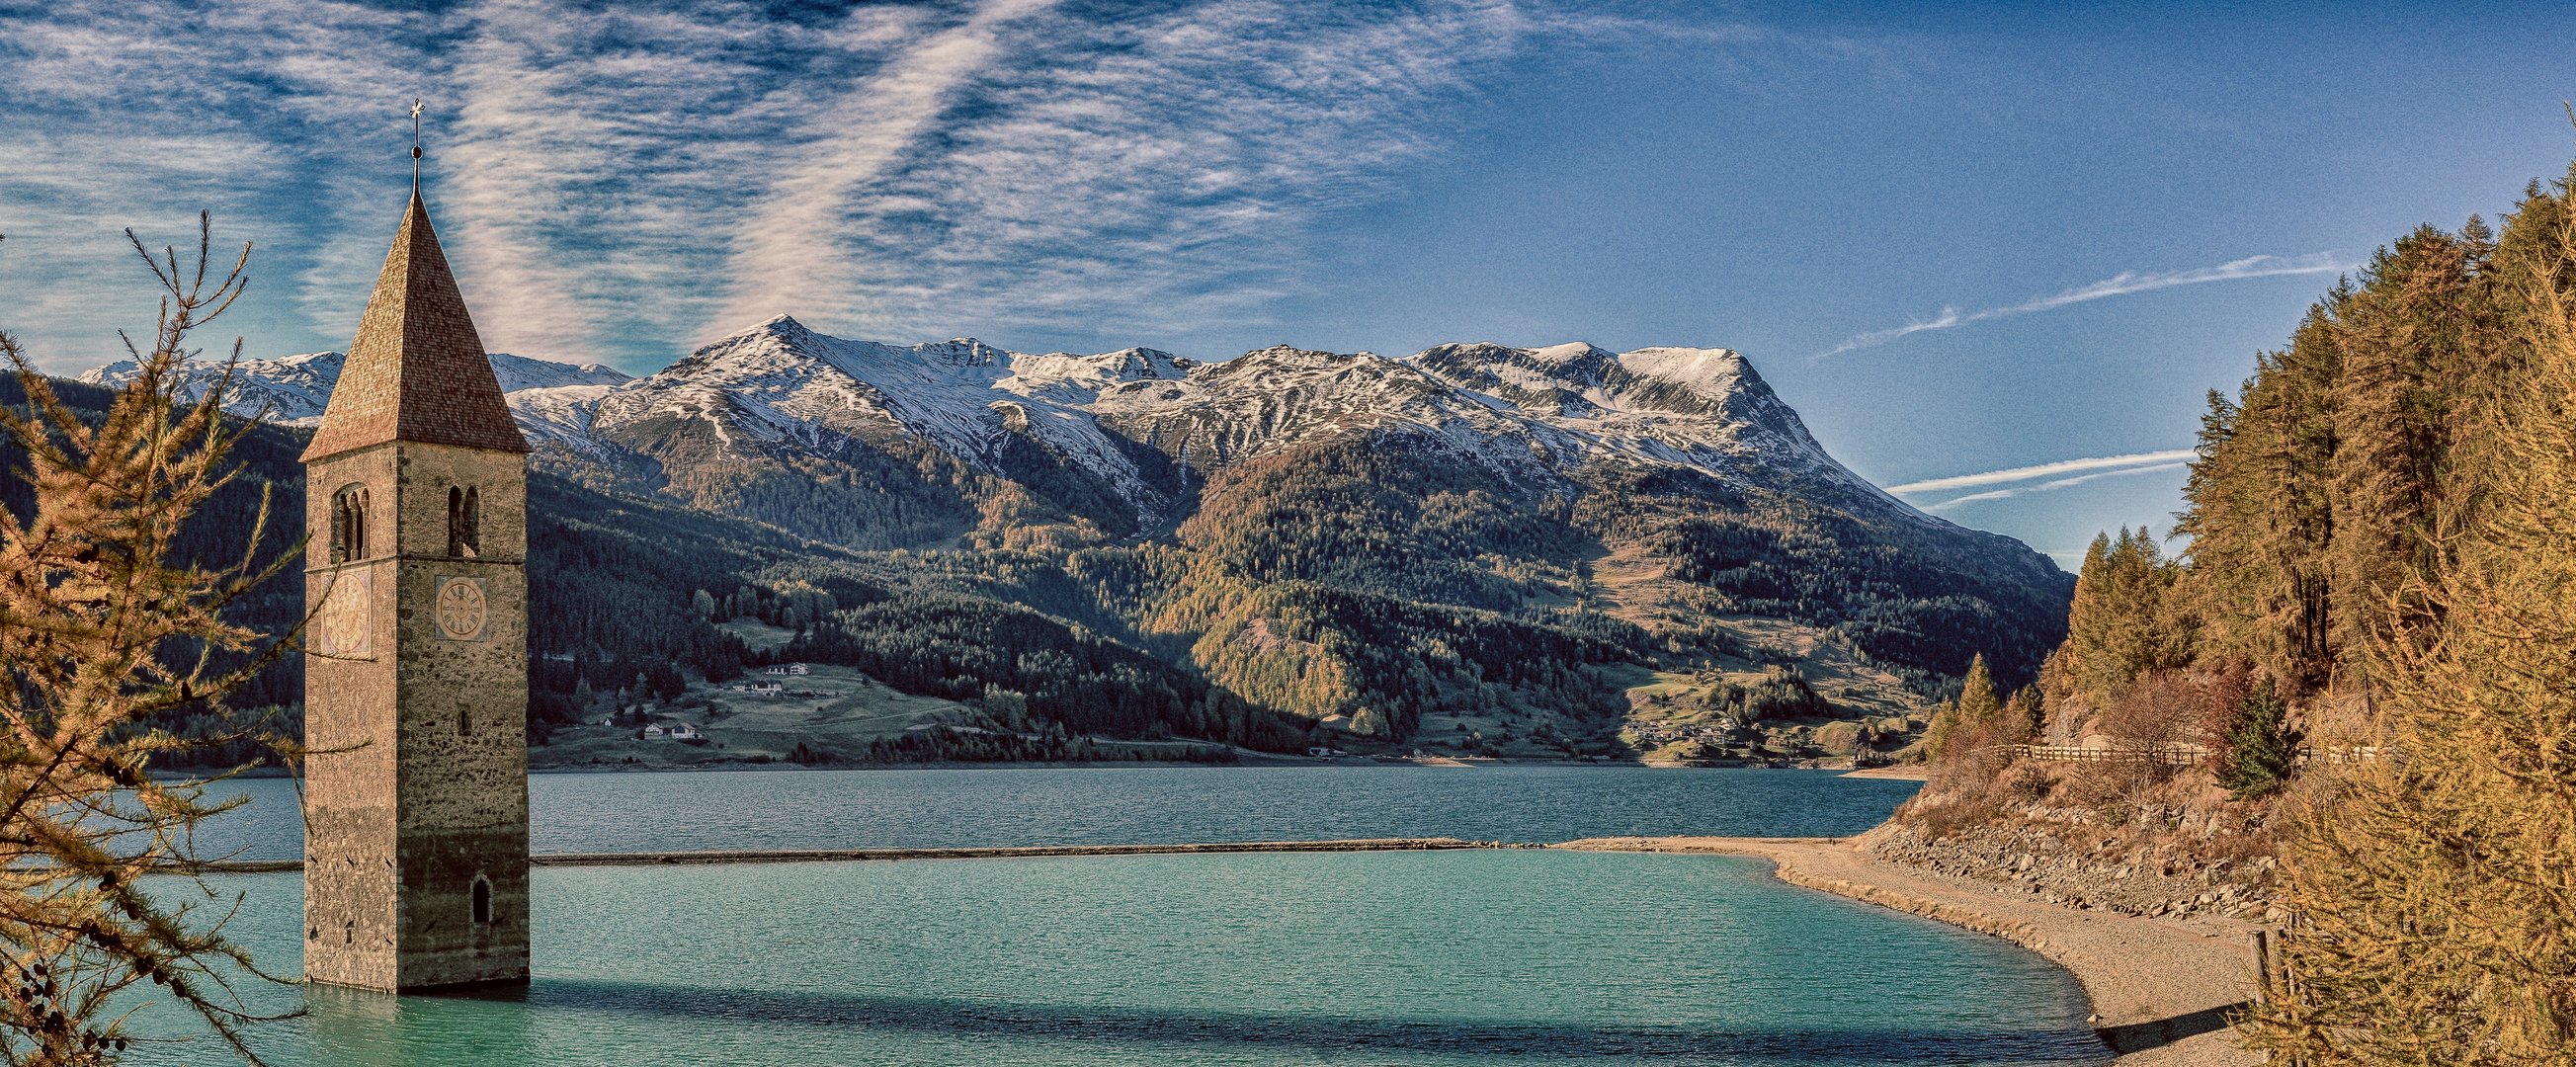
(2173, 754)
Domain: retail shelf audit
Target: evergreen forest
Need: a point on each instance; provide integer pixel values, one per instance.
(2355, 661)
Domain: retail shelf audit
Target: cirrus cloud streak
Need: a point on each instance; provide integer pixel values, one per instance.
(2060, 483)
(620, 182)
(2121, 284)
(2043, 470)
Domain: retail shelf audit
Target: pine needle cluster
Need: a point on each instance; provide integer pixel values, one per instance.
(102, 631)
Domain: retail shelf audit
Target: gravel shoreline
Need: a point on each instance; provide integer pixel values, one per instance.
(2159, 986)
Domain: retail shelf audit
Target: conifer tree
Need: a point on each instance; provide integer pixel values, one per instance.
(2120, 624)
(1979, 710)
(2260, 512)
(2262, 747)
(2029, 719)
(101, 632)
(2407, 335)
(1967, 725)
(1938, 736)
(2435, 898)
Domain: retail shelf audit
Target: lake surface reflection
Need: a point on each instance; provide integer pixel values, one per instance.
(700, 810)
(1256, 959)
(1262, 959)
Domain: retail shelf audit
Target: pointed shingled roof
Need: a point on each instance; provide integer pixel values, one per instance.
(417, 371)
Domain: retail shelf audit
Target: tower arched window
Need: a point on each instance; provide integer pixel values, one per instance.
(482, 900)
(349, 524)
(464, 522)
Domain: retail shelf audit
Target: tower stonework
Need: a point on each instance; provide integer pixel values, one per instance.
(416, 662)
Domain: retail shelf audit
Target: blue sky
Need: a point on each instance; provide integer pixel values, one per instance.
(1960, 241)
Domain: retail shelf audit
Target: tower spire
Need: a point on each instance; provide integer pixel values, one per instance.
(417, 371)
(417, 104)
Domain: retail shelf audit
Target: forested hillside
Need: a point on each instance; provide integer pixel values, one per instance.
(2330, 486)
(1656, 496)
(2361, 662)
(611, 588)
(2329, 491)
(1492, 539)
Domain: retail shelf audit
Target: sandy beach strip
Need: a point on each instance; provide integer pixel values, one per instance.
(2159, 987)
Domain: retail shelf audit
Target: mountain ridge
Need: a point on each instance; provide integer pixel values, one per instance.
(1640, 403)
(1264, 520)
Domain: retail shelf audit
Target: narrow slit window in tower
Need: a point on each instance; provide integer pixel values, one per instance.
(340, 528)
(455, 521)
(482, 901)
(473, 524)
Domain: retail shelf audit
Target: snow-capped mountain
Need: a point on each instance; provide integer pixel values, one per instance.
(1131, 429)
(1130, 421)
(520, 372)
(1669, 483)
(289, 389)
(1664, 486)
(292, 390)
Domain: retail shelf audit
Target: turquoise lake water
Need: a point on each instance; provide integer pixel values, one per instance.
(1257, 959)
(677, 811)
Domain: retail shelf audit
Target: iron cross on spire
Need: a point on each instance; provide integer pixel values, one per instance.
(417, 105)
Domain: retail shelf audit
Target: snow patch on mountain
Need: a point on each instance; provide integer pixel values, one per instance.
(520, 372)
(780, 389)
(289, 389)
(791, 386)
(293, 390)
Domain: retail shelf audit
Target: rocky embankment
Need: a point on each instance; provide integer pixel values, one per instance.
(2106, 873)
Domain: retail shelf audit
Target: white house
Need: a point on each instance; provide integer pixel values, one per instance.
(686, 732)
(654, 732)
(764, 689)
(790, 668)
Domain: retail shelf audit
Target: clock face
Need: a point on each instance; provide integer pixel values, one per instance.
(345, 625)
(461, 609)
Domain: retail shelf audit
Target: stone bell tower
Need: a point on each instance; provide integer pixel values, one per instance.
(416, 663)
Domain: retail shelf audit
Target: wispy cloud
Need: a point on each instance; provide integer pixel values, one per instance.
(619, 181)
(595, 158)
(2043, 470)
(102, 138)
(788, 256)
(2060, 483)
(1038, 168)
(2121, 284)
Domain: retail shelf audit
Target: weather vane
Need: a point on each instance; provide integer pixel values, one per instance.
(417, 104)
